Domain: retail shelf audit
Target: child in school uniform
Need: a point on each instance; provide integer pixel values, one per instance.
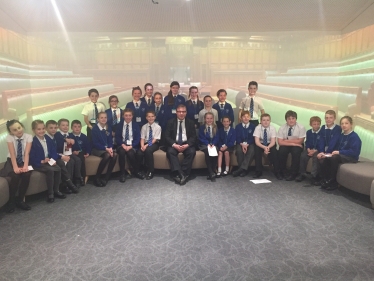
(138, 107)
(172, 101)
(194, 105)
(252, 104)
(64, 146)
(244, 144)
(114, 115)
(330, 133)
(311, 149)
(149, 143)
(226, 145)
(43, 157)
(128, 140)
(148, 95)
(208, 138)
(17, 165)
(223, 108)
(64, 161)
(81, 147)
(265, 140)
(91, 110)
(347, 150)
(207, 108)
(102, 146)
(290, 138)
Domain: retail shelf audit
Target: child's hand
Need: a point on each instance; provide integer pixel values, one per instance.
(17, 170)
(336, 152)
(86, 155)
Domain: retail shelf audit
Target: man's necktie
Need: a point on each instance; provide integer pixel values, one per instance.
(150, 136)
(251, 108)
(290, 131)
(149, 102)
(19, 152)
(222, 108)
(127, 134)
(265, 141)
(96, 112)
(114, 117)
(180, 141)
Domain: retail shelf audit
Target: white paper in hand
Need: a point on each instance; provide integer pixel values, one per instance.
(51, 161)
(212, 151)
(30, 168)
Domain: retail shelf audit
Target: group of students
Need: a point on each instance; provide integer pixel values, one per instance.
(178, 126)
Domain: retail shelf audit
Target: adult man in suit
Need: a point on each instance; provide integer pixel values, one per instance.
(180, 137)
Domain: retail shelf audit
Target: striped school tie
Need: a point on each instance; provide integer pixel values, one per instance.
(265, 137)
(150, 136)
(127, 134)
(290, 131)
(19, 152)
(96, 112)
(251, 107)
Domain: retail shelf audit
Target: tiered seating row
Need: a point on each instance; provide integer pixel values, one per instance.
(4, 69)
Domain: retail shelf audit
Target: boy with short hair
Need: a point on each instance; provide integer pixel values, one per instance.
(265, 140)
(149, 143)
(207, 108)
(223, 108)
(311, 149)
(244, 144)
(81, 147)
(128, 139)
(91, 110)
(330, 134)
(252, 104)
(290, 138)
(68, 186)
(64, 146)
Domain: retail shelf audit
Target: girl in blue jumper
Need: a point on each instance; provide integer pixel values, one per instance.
(172, 100)
(194, 105)
(102, 146)
(226, 145)
(208, 137)
(346, 150)
(138, 106)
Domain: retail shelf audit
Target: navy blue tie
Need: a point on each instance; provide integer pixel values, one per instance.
(290, 131)
(96, 112)
(150, 136)
(127, 134)
(19, 152)
(251, 108)
(114, 117)
(265, 138)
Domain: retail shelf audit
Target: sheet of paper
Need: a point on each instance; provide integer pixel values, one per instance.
(212, 151)
(328, 155)
(260, 181)
(30, 168)
(51, 161)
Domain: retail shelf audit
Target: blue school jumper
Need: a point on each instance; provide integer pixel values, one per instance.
(37, 151)
(229, 139)
(193, 110)
(312, 140)
(349, 145)
(135, 135)
(59, 140)
(205, 139)
(227, 111)
(329, 138)
(138, 113)
(109, 114)
(245, 135)
(146, 101)
(81, 143)
(160, 115)
(101, 139)
(169, 108)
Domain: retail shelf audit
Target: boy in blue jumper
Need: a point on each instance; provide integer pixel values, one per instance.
(346, 150)
(81, 147)
(311, 149)
(223, 108)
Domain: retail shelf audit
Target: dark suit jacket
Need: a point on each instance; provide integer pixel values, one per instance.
(171, 132)
(135, 134)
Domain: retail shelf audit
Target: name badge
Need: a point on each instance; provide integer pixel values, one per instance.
(223, 145)
(196, 116)
(173, 111)
(138, 119)
(128, 142)
(244, 142)
(93, 120)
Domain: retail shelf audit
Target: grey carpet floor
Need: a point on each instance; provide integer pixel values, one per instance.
(157, 230)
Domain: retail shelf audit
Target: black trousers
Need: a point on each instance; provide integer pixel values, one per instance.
(272, 156)
(283, 155)
(254, 122)
(106, 160)
(330, 165)
(245, 160)
(147, 156)
(131, 156)
(53, 177)
(184, 168)
(83, 163)
(77, 166)
(211, 162)
(66, 170)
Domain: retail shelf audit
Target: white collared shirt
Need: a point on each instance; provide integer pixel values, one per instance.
(245, 104)
(118, 113)
(26, 138)
(156, 131)
(184, 134)
(297, 130)
(124, 131)
(202, 114)
(270, 131)
(137, 102)
(89, 110)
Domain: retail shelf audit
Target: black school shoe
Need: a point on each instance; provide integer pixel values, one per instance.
(300, 178)
(22, 205)
(59, 195)
(149, 176)
(257, 175)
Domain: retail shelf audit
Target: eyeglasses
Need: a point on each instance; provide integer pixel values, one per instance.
(181, 111)
(114, 101)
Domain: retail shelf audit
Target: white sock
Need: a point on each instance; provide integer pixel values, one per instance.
(227, 168)
(219, 169)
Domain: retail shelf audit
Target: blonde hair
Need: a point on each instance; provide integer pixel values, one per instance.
(35, 123)
(214, 126)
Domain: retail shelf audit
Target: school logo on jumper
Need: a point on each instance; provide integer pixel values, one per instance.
(227, 111)
(250, 131)
(80, 142)
(318, 136)
(143, 109)
(107, 133)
